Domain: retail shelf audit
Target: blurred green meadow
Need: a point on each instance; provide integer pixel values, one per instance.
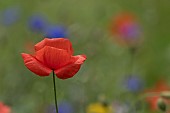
(88, 23)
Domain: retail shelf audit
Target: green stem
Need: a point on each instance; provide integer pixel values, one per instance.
(132, 58)
(55, 95)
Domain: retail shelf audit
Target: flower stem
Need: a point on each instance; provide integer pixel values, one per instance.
(132, 58)
(55, 95)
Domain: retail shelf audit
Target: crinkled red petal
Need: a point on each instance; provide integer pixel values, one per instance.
(60, 43)
(53, 58)
(35, 66)
(70, 70)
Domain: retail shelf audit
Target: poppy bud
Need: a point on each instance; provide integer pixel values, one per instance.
(165, 94)
(161, 105)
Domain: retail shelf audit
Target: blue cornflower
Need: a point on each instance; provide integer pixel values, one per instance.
(63, 107)
(55, 31)
(130, 31)
(37, 23)
(133, 83)
(10, 16)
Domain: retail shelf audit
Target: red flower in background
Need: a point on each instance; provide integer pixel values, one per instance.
(4, 108)
(54, 55)
(154, 94)
(126, 28)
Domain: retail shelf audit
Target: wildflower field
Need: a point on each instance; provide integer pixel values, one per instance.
(109, 56)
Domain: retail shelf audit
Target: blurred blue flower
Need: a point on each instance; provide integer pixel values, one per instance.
(131, 31)
(37, 23)
(133, 83)
(56, 31)
(63, 107)
(10, 16)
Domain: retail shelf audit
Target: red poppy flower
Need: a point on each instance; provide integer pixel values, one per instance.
(54, 55)
(154, 94)
(4, 108)
(126, 28)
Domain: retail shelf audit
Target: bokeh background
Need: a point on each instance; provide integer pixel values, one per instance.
(103, 77)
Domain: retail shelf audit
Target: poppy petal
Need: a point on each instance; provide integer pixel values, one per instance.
(59, 43)
(71, 69)
(35, 66)
(53, 58)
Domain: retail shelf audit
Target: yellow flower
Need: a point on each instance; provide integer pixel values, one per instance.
(98, 108)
